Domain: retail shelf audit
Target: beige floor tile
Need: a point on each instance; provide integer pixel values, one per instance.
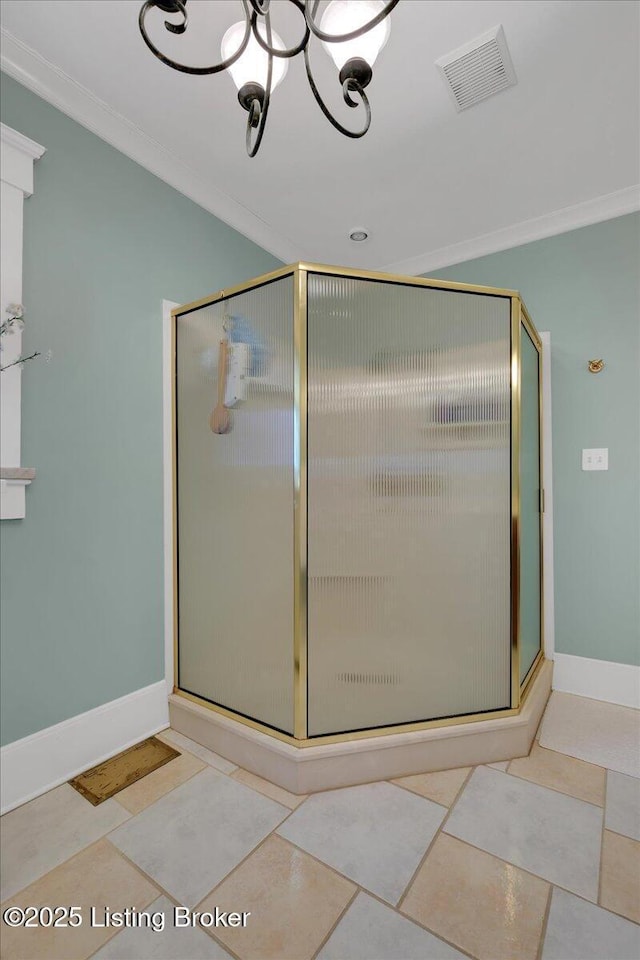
(150, 788)
(542, 831)
(291, 800)
(98, 877)
(620, 875)
(577, 778)
(592, 730)
(376, 833)
(293, 899)
(43, 833)
(442, 787)
(622, 813)
(485, 906)
(185, 743)
(194, 836)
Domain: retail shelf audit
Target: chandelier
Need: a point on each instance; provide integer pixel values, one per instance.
(352, 31)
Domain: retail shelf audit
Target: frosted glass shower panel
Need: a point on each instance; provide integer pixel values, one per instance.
(408, 503)
(530, 572)
(235, 505)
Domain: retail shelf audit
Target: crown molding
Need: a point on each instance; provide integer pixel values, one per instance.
(55, 86)
(584, 214)
(49, 82)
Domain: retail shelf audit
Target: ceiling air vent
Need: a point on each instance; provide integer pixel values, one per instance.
(478, 69)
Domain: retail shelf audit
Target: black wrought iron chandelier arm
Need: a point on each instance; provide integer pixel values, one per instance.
(180, 28)
(311, 6)
(355, 74)
(269, 48)
(348, 87)
(258, 110)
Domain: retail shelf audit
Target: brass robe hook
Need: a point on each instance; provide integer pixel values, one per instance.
(595, 366)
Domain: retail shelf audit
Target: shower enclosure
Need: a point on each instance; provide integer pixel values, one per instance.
(358, 524)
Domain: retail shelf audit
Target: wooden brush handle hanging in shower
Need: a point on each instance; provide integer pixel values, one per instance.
(220, 419)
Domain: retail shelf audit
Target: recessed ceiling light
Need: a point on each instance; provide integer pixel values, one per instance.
(358, 234)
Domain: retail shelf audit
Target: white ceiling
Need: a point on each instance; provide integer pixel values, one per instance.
(433, 186)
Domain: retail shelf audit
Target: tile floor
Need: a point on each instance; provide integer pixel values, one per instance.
(536, 859)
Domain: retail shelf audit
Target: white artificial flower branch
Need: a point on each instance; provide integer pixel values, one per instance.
(15, 321)
(9, 326)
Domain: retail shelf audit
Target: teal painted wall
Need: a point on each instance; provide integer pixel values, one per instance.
(583, 287)
(105, 242)
(82, 574)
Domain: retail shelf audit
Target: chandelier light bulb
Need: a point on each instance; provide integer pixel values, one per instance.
(253, 65)
(343, 16)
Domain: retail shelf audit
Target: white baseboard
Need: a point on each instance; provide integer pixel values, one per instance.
(45, 759)
(597, 679)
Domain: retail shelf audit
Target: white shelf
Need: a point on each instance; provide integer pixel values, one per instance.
(17, 474)
(13, 483)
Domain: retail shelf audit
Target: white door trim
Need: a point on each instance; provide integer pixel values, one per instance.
(547, 483)
(167, 489)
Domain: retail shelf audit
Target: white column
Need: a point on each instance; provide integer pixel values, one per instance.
(18, 154)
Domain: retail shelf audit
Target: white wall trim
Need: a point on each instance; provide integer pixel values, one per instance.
(583, 214)
(167, 476)
(18, 155)
(41, 76)
(45, 759)
(20, 142)
(597, 679)
(547, 518)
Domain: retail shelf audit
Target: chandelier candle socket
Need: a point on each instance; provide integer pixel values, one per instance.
(352, 31)
(251, 72)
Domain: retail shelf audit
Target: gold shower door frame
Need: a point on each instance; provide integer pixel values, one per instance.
(299, 272)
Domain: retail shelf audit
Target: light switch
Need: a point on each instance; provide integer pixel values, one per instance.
(595, 459)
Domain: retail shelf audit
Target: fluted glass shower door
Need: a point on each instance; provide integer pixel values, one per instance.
(409, 503)
(234, 501)
(357, 502)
